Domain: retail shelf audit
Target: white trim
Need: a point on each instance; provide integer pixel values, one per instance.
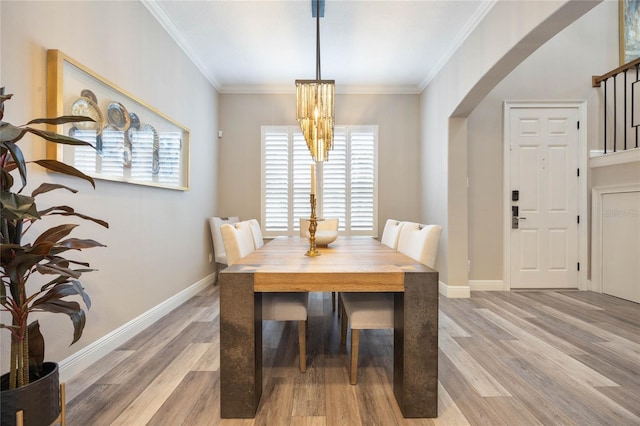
(596, 228)
(342, 89)
(583, 211)
(487, 285)
(464, 33)
(158, 12)
(71, 366)
(454, 291)
(614, 158)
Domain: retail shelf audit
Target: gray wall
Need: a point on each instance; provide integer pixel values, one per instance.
(508, 34)
(397, 117)
(559, 70)
(158, 241)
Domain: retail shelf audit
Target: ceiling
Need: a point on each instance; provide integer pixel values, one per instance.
(374, 46)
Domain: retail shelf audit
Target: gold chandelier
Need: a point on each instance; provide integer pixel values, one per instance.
(315, 106)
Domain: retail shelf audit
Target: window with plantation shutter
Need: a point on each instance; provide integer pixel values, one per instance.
(348, 180)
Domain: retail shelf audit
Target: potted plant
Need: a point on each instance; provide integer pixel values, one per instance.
(24, 257)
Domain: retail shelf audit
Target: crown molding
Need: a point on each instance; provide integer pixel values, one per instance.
(158, 13)
(466, 31)
(290, 89)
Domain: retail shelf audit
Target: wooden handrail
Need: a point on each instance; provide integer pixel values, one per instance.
(597, 79)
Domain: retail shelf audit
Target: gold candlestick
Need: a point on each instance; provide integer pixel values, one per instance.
(313, 223)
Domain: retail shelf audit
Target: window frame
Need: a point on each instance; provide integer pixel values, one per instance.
(291, 131)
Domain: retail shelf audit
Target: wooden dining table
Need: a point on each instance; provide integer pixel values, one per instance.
(349, 264)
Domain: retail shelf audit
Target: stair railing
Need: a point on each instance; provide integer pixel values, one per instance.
(622, 128)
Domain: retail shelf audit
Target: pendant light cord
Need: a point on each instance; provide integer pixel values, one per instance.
(318, 74)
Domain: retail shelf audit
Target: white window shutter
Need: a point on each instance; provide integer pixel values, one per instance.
(276, 181)
(334, 180)
(348, 180)
(301, 180)
(362, 181)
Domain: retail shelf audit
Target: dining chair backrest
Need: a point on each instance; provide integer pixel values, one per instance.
(218, 245)
(256, 232)
(420, 242)
(391, 233)
(238, 241)
(323, 225)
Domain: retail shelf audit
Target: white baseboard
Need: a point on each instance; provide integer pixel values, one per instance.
(90, 354)
(487, 285)
(454, 292)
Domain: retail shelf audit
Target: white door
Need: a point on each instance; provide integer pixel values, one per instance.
(621, 245)
(544, 172)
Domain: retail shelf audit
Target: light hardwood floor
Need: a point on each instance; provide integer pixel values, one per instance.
(506, 358)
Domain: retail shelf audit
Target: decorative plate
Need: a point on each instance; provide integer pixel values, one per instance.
(87, 108)
(135, 121)
(86, 93)
(155, 165)
(118, 116)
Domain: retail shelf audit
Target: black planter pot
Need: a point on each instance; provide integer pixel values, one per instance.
(39, 400)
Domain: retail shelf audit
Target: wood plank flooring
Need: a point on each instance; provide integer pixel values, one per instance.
(505, 358)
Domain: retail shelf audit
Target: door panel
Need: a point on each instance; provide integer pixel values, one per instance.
(543, 164)
(621, 245)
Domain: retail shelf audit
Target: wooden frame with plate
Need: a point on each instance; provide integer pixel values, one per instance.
(132, 141)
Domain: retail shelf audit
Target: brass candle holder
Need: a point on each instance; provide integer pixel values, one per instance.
(313, 224)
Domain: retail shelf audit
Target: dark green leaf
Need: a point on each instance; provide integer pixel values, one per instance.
(9, 132)
(7, 179)
(18, 268)
(16, 206)
(57, 166)
(78, 319)
(55, 251)
(56, 233)
(61, 120)
(36, 347)
(46, 187)
(55, 281)
(79, 244)
(57, 138)
(70, 288)
(77, 315)
(68, 211)
(18, 159)
(85, 297)
(42, 248)
(57, 270)
(57, 306)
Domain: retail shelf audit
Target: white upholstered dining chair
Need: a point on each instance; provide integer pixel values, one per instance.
(391, 233)
(256, 233)
(218, 246)
(365, 311)
(239, 241)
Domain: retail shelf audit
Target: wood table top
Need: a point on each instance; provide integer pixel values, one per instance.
(347, 264)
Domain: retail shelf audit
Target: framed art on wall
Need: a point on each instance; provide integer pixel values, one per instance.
(629, 28)
(132, 142)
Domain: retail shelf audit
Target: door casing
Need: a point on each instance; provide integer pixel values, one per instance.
(583, 150)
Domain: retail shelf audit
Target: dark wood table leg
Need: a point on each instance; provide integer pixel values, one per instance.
(240, 346)
(415, 346)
